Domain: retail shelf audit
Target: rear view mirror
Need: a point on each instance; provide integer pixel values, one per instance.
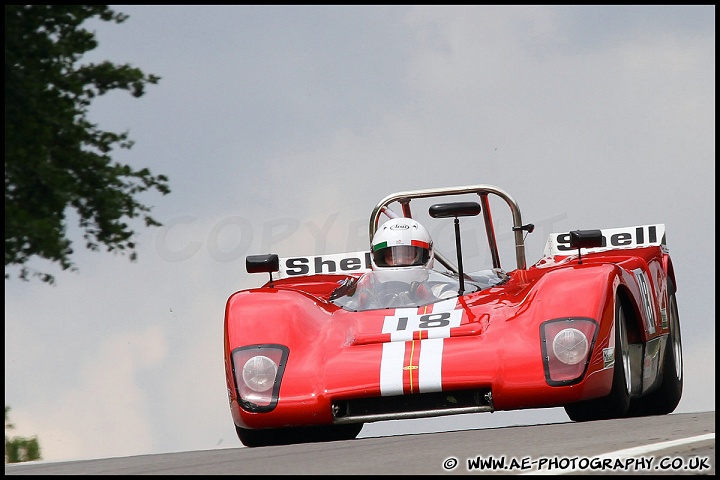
(455, 209)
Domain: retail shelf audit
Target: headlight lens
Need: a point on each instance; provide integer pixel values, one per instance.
(570, 346)
(259, 372)
(566, 347)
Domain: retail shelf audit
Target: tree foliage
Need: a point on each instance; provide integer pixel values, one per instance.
(19, 449)
(56, 160)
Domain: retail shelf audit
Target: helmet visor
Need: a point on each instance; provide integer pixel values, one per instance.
(401, 256)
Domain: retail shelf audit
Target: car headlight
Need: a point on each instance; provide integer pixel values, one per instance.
(566, 347)
(570, 346)
(258, 371)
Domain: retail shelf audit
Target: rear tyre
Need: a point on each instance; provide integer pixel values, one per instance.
(617, 403)
(665, 399)
(292, 435)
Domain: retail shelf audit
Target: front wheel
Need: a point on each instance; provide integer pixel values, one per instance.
(617, 403)
(665, 399)
(291, 435)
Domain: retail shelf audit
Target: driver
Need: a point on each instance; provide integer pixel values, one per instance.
(401, 254)
(401, 245)
(401, 259)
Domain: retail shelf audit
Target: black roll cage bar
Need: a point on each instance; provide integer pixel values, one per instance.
(483, 191)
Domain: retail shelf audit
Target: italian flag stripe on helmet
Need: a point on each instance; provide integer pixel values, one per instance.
(414, 243)
(379, 246)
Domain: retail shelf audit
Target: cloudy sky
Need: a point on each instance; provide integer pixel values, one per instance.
(281, 127)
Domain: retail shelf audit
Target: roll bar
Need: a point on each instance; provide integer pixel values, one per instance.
(483, 191)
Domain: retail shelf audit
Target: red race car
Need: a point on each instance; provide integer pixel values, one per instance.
(403, 330)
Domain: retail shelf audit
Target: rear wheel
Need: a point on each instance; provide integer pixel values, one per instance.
(291, 435)
(665, 399)
(616, 404)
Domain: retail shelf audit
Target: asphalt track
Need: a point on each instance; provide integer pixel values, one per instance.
(672, 444)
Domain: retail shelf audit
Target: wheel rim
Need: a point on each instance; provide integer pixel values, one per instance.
(624, 350)
(675, 338)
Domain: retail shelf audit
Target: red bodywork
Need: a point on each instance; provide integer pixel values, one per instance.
(334, 354)
(592, 327)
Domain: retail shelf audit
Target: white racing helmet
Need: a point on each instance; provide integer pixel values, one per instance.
(402, 248)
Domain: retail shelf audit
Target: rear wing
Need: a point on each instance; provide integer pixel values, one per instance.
(353, 263)
(334, 264)
(558, 244)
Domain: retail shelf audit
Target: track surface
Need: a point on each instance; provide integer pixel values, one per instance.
(652, 443)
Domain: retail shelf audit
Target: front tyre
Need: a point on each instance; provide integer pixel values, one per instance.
(292, 435)
(665, 399)
(617, 403)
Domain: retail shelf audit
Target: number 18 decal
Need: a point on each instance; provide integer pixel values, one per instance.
(406, 321)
